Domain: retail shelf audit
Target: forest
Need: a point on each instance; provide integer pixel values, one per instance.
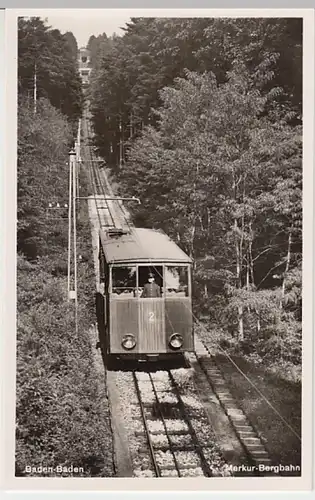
(60, 416)
(202, 120)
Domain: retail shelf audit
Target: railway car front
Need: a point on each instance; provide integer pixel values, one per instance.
(148, 294)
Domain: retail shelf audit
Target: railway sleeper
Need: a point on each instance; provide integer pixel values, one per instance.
(180, 466)
(185, 473)
(174, 448)
(247, 434)
(157, 432)
(151, 418)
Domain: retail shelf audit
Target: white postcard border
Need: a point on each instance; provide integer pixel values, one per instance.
(9, 281)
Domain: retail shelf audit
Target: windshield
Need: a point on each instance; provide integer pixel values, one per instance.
(124, 281)
(176, 281)
(150, 281)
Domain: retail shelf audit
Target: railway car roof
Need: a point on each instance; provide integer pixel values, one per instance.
(142, 245)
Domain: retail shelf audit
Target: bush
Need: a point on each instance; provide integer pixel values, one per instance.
(58, 414)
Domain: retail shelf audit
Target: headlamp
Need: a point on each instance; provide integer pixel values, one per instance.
(176, 341)
(128, 342)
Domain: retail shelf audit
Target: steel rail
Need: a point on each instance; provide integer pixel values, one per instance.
(157, 469)
(118, 208)
(88, 154)
(121, 208)
(204, 463)
(102, 190)
(121, 219)
(171, 447)
(108, 198)
(97, 185)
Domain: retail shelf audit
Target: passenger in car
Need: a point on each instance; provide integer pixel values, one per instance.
(151, 289)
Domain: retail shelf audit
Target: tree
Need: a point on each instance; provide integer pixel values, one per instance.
(210, 174)
(214, 153)
(99, 47)
(47, 67)
(72, 44)
(43, 145)
(153, 52)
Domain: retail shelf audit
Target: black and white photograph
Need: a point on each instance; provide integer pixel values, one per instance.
(160, 172)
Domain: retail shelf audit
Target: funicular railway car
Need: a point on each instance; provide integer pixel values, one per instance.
(147, 293)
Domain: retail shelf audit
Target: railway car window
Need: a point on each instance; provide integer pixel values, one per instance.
(102, 265)
(176, 281)
(144, 275)
(124, 281)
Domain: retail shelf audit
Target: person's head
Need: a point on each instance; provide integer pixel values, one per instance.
(151, 278)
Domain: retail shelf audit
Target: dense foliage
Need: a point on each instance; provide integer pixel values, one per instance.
(204, 118)
(130, 70)
(47, 67)
(60, 413)
(43, 146)
(61, 417)
(98, 47)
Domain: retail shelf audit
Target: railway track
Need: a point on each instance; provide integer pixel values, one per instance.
(103, 209)
(111, 213)
(173, 445)
(172, 433)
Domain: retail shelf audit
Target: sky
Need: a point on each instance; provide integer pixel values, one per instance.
(85, 22)
(83, 26)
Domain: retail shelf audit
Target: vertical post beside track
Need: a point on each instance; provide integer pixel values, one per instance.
(75, 239)
(78, 157)
(69, 222)
(35, 89)
(120, 144)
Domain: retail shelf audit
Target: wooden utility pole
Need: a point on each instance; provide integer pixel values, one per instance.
(120, 144)
(72, 291)
(70, 223)
(35, 89)
(75, 242)
(131, 126)
(78, 157)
